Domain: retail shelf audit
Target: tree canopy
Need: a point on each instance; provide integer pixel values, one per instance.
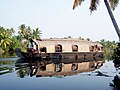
(9, 40)
(95, 3)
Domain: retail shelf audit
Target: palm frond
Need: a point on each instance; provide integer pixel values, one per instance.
(93, 5)
(76, 3)
(113, 3)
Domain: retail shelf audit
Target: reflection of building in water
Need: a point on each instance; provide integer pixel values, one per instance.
(68, 69)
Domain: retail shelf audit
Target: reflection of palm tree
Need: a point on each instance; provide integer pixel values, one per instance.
(22, 72)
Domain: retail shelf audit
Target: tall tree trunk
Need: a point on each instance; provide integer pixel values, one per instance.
(112, 18)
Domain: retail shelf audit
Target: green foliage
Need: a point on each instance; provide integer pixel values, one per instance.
(22, 72)
(25, 32)
(113, 3)
(116, 54)
(5, 38)
(36, 33)
(28, 33)
(9, 40)
(8, 62)
(109, 47)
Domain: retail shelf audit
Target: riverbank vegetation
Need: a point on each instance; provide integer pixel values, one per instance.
(10, 39)
(109, 47)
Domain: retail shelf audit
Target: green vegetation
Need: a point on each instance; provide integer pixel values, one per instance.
(109, 47)
(6, 66)
(22, 72)
(116, 55)
(28, 33)
(5, 38)
(9, 41)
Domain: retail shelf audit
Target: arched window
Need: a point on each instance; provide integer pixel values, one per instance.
(91, 48)
(102, 48)
(95, 48)
(58, 48)
(75, 48)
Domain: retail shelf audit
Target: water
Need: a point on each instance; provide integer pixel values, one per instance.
(16, 74)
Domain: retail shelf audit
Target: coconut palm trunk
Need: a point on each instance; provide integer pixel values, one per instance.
(112, 18)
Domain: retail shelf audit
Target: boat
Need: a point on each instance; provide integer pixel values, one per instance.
(61, 49)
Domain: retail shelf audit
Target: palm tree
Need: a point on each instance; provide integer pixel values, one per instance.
(94, 4)
(113, 5)
(5, 39)
(109, 48)
(10, 31)
(22, 30)
(25, 32)
(36, 33)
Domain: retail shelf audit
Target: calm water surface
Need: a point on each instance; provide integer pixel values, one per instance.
(16, 74)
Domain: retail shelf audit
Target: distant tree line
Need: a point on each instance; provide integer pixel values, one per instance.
(9, 41)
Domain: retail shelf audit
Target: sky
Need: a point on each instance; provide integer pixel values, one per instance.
(57, 19)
